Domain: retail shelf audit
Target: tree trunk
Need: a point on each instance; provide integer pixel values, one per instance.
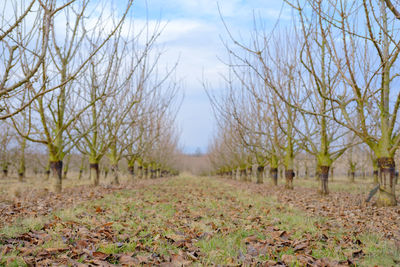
(65, 173)
(243, 175)
(289, 174)
(131, 170)
(21, 176)
(260, 174)
(140, 172)
(331, 174)
(114, 170)
(274, 175)
(106, 170)
(317, 174)
(306, 172)
(352, 177)
(387, 177)
(81, 169)
(56, 171)
(5, 172)
(94, 173)
(66, 167)
(22, 168)
(324, 175)
(47, 175)
(249, 173)
(376, 176)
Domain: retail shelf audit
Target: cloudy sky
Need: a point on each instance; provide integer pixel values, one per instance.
(193, 33)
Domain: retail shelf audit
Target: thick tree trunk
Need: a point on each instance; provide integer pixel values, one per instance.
(260, 174)
(94, 173)
(114, 170)
(324, 175)
(387, 182)
(289, 174)
(56, 172)
(274, 175)
(145, 173)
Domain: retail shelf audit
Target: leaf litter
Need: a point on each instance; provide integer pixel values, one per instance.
(183, 221)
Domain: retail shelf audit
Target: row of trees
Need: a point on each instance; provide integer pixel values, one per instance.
(82, 76)
(321, 84)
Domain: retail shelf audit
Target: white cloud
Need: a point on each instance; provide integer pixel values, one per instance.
(193, 33)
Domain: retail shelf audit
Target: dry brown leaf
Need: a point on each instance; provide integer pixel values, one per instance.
(100, 255)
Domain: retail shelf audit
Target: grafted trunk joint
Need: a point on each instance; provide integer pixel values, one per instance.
(274, 175)
(260, 172)
(94, 173)
(289, 175)
(56, 168)
(324, 175)
(114, 170)
(387, 182)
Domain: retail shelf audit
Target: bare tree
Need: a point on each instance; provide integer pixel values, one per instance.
(61, 69)
(24, 41)
(366, 62)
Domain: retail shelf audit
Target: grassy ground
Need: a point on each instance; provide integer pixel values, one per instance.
(189, 220)
(11, 188)
(340, 184)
